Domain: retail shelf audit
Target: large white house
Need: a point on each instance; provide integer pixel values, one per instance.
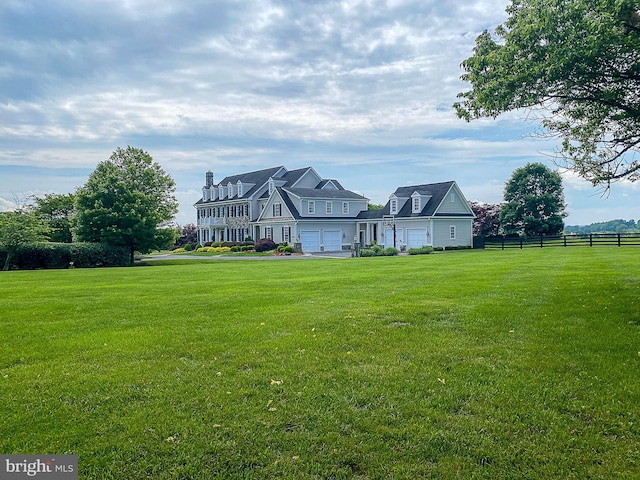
(299, 206)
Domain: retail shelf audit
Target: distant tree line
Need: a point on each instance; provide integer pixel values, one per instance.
(612, 226)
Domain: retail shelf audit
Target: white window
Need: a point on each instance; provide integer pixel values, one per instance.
(230, 190)
(240, 189)
(277, 209)
(452, 232)
(394, 206)
(312, 207)
(268, 232)
(286, 234)
(345, 208)
(416, 204)
(329, 208)
(452, 197)
(271, 186)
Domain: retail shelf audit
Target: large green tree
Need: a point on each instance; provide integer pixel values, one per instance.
(534, 202)
(18, 229)
(58, 210)
(576, 65)
(127, 201)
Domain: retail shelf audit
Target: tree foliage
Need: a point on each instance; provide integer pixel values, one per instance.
(188, 235)
(487, 221)
(576, 62)
(58, 211)
(18, 229)
(611, 226)
(127, 201)
(534, 202)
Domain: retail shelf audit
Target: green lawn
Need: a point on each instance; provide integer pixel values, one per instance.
(469, 364)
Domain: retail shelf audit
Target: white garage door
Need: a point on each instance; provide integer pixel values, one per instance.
(416, 237)
(388, 237)
(310, 241)
(332, 241)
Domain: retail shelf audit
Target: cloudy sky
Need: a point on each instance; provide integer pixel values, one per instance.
(359, 89)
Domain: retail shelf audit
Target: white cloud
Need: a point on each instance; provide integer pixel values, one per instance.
(7, 205)
(362, 90)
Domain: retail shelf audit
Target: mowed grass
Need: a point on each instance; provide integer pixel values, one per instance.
(470, 364)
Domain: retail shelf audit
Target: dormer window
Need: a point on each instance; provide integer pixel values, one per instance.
(416, 205)
(223, 193)
(230, 190)
(393, 206)
(240, 189)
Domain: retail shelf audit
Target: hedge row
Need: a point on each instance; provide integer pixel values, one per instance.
(61, 255)
(377, 251)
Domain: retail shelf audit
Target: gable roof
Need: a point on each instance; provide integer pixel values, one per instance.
(437, 192)
(292, 176)
(279, 195)
(324, 183)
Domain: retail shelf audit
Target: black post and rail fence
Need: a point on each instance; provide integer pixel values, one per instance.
(577, 240)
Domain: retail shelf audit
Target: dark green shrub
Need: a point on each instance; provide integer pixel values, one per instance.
(420, 251)
(61, 255)
(188, 247)
(236, 248)
(377, 251)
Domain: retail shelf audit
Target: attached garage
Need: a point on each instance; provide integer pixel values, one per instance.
(332, 240)
(416, 237)
(388, 237)
(310, 240)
